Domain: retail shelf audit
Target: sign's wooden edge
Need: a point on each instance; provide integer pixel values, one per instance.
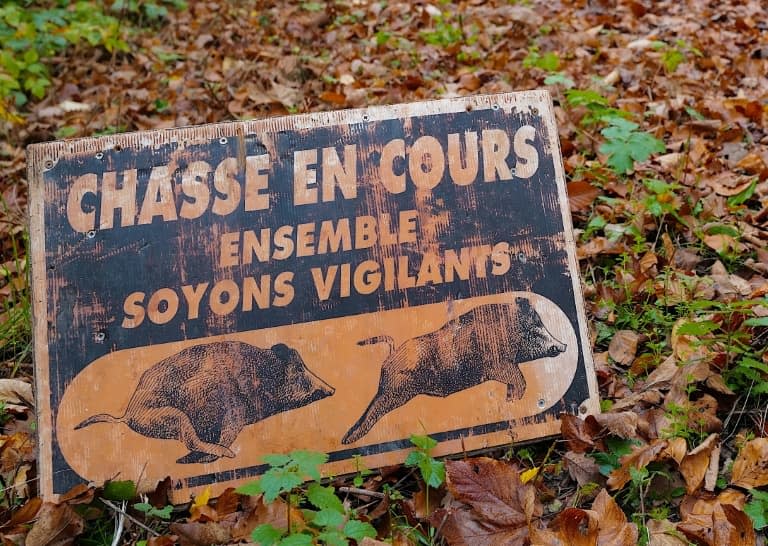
(42, 157)
(47, 153)
(592, 404)
(39, 297)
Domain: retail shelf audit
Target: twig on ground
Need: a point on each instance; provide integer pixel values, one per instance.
(130, 517)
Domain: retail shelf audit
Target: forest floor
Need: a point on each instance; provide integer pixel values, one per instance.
(662, 111)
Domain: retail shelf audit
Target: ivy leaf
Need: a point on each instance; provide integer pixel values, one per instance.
(358, 530)
(432, 470)
(307, 462)
(277, 459)
(324, 498)
(276, 481)
(625, 144)
(266, 535)
(250, 489)
(329, 518)
(757, 509)
(299, 539)
(332, 538)
(423, 442)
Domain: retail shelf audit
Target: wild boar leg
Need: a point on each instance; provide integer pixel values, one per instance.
(169, 422)
(515, 382)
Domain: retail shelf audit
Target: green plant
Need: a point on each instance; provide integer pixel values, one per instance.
(150, 511)
(757, 509)
(673, 55)
(548, 61)
(152, 10)
(448, 31)
(730, 329)
(432, 471)
(625, 144)
(31, 34)
(328, 521)
(16, 311)
(597, 106)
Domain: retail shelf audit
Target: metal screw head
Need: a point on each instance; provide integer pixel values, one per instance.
(91, 234)
(99, 337)
(541, 403)
(494, 106)
(100, 155)
(223, 140)
(48, 164)
(366, 117)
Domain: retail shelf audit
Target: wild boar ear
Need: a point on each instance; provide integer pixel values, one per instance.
(281, 350)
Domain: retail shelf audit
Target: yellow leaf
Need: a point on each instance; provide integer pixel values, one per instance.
(202, 499)
(529, 474)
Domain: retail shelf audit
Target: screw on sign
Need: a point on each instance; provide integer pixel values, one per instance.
(333, 282)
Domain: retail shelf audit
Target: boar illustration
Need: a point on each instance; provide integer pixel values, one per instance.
(484, 344)
(204, 395)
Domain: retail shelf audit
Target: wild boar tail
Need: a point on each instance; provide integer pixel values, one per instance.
(379, 339)
(100, 418)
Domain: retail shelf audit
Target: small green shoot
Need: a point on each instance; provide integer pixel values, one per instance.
(757, 509)
(625, 144)
(432, 471)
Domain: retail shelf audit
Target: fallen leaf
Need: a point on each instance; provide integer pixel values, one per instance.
(622, 424)
(575, 527)
(498, 507)
(15, 391)
(582, 468)
(676, 449)
(56, 525)
(202, 534)
(623, 347)
(578, 434)
(613, 527)
(750, 469)
(581, 195)
(696, 463)
(664, 533)
(639, 458)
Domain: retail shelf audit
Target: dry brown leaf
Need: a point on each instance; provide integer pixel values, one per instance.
(56, 525)
(368, 541)
(664, 533)
(676, 449)
(164, 540)
(695, 464)
(622, 423)
(623, 347)
(581, 195)
(202, 534)
(15, 391)
(750, 469)
(639, 458)
(578, 433)
(725, 524)
(575, 527)
(497, 507)
(256, 512)
(582, 468)
(614, 529)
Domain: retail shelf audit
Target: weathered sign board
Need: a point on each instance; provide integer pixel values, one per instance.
(335, 282)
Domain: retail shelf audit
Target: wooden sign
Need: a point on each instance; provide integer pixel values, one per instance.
(333, 282)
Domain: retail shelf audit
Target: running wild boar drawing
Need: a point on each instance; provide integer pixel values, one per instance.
(485, 344)
(204, 395)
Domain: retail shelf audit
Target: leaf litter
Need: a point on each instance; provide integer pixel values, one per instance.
(662, 115)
